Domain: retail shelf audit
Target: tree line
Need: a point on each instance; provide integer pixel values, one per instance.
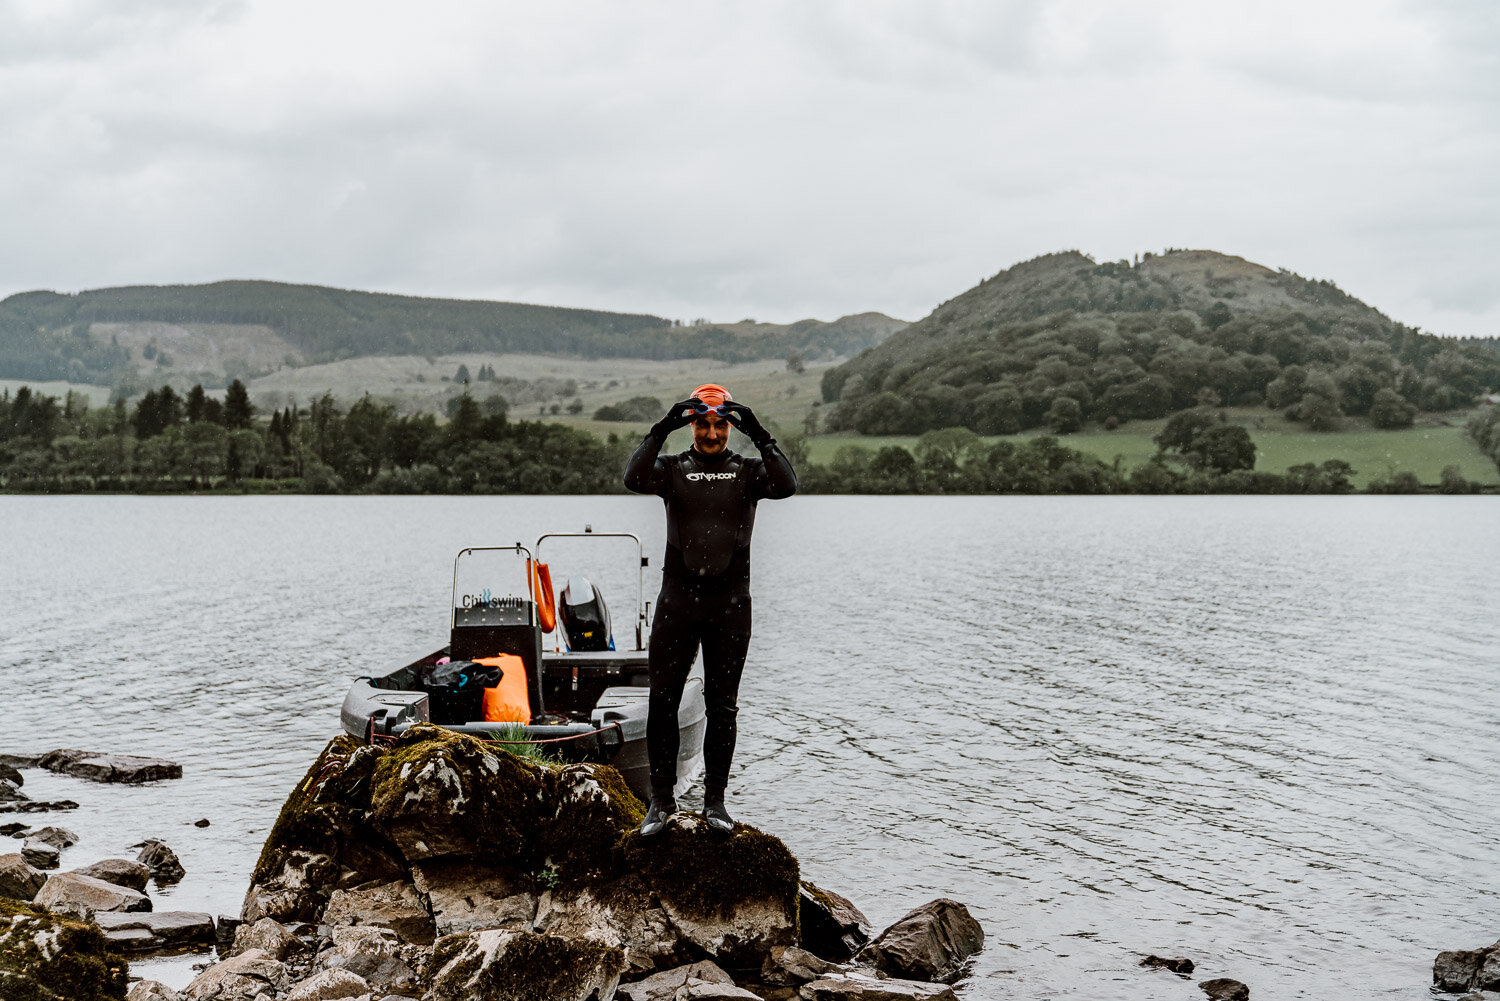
(170, 442)
(189, 442)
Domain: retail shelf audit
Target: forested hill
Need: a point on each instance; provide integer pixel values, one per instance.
(1062, 340)
(47, 335)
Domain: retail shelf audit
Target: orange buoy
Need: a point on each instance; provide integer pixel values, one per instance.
(546, 603)
(510, 700)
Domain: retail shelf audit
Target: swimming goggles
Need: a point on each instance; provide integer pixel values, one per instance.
(722, 410)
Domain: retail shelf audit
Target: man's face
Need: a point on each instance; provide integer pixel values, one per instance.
(710, 434)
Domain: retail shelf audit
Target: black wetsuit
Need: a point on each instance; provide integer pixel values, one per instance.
(705, 593)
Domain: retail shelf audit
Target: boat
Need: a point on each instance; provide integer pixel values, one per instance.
(529, 662)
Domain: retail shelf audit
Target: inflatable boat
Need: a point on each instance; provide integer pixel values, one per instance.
(528, 661)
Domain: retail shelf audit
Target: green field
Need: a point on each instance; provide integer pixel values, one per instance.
(1436, 441)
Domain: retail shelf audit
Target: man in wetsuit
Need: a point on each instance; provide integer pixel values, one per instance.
(710, 493)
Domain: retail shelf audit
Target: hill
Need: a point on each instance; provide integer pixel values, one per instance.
(1061, 340)
(216, 332)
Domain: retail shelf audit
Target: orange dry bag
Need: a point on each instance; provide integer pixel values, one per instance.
(510, 700)
(541, 587)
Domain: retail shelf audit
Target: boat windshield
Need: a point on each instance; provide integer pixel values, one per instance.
(490, 577)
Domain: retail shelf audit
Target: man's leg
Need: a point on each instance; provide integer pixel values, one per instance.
(674, 645)
(726, 640)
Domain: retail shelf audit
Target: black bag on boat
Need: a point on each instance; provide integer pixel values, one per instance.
(455, 690)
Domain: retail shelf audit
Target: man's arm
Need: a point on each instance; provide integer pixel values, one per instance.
(777, 479)
(645, 473)
(642, 472)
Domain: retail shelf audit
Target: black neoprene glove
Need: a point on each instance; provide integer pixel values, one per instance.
(744, 419)
(679, 415)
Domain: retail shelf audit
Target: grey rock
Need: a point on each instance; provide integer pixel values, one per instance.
(85, 896)
(296, 892)
(37, 806)
(623, 914)
(201, 822)
(269, 936)
(11, 830)
(859, 987)
(149, 931)
(330, 985)
(57, 837)
(463, 896)
(496, 963)
(239, 978)
(395, 906)
(151, 990)
(700, 990)
(831, 926)
(11, 792)
(119, 871)
(162, 861)
(664, 986)
(40, 854)
(224, 930)
(1181, 967)
(376, 954)
(10, 762)
(1224, 989)
(1488, 978)
(931, 942)
(788, 966)
(18, 879)
(100, 767)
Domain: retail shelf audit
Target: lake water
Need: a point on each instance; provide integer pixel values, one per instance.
(1261, 733)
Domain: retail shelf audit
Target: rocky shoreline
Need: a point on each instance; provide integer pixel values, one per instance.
(439, 868)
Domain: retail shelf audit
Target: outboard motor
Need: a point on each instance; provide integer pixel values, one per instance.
(584, 617)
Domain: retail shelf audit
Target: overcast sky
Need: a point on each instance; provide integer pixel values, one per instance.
(763, 159)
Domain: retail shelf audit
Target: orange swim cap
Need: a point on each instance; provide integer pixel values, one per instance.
(713, 394)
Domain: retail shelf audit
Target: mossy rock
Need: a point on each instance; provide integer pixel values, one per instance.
(500, 965)
(595, 810)
(708, 875)
(437, 792)
(47, 957)
(327, 814)
(732, 896)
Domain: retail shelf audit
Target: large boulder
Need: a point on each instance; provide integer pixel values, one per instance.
(18, 879)
(247, 977)
(102, 767)
(496, 964)
(829, 925)
(1224, 989)
(8, 773)
(119, 871)
(10, 792)
(47, 957)
(82, 896)
(733, 897)
(931, 942)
